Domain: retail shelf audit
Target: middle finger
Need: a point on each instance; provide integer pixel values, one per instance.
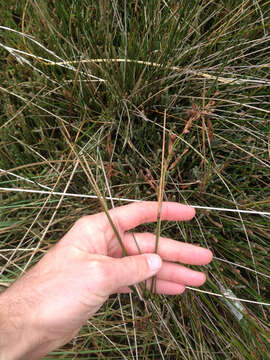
(168, 249)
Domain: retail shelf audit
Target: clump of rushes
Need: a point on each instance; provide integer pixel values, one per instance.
(163, 92)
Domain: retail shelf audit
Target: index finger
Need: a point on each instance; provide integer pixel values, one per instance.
(129, 216)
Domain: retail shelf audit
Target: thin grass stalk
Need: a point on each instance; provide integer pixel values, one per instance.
(118, 295)
(103, 203)
(160, 194)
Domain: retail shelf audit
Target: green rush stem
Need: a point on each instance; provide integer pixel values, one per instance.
(92, 180)
(160, 193)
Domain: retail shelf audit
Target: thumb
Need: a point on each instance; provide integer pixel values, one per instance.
(131, 270)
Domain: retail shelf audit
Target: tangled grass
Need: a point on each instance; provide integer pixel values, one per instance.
(94, 80)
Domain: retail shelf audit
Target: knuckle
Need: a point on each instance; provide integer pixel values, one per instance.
(83, 221)
(99, 272)
(138, 268)
(85, 225)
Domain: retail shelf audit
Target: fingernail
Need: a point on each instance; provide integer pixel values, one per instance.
(154, 261)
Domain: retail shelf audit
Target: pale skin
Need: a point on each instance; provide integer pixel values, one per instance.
(46, 307)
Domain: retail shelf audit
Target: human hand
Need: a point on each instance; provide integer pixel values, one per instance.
(51, 302)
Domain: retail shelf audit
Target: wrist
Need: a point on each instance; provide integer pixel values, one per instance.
(12, 324)
(23, 335)
(19, 337)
